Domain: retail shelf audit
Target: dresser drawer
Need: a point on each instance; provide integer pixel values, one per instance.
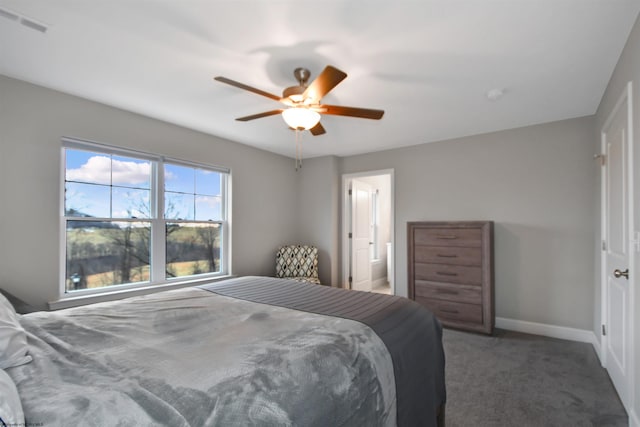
(448, 273)
(453, 311)
(448, 255)
(459, 293)
(468, 237)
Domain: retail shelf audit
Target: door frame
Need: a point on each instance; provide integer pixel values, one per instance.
(632, 243)
(346, 220)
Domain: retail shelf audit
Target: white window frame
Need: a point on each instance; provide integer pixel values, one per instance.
(157, 261)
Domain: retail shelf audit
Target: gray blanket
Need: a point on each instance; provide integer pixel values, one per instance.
(192, 357)
(411, 333)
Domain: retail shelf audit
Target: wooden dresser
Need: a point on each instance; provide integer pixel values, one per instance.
(450, 272)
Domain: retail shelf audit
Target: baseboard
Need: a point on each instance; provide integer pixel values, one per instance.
(597, 347)
(553, 331)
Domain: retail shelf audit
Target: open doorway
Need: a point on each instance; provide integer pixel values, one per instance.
(368, 232)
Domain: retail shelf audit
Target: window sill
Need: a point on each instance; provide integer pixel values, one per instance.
(78, 300)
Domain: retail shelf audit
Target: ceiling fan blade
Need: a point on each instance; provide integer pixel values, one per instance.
(317, 130)
(327, 80)
(363, 113)
(259, 115)
(245, 87)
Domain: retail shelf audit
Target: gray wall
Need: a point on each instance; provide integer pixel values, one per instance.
(536, 183)
(317, 214)
(628, 69)
(32, 121)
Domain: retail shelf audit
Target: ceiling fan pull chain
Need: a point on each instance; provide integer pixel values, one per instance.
(298, 149)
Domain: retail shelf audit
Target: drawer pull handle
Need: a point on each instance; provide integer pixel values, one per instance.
(445, 310)
(447, 291)
(444, 273)
(446, 237)
(446, 256)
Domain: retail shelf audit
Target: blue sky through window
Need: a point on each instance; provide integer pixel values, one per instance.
(111, 186)
(183, 179)
(192, 193)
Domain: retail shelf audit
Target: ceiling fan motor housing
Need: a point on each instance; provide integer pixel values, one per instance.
(302, 75)
(294, 93)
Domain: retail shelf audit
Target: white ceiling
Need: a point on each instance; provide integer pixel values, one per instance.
(428, 64)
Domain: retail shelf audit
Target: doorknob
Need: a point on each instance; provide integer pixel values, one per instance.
(619, 273)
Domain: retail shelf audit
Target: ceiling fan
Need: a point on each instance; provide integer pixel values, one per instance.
(303, 107)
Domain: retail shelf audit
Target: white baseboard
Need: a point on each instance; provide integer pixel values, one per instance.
(553, 331)
(597, 347)
(634, 421)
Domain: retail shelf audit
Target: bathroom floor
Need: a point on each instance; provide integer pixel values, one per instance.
(384, 289)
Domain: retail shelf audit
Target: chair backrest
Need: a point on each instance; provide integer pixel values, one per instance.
(297, 261)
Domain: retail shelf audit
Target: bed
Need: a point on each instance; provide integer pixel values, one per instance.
(248, 351)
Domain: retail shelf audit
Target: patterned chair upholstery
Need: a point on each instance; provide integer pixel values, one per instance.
(298, 262)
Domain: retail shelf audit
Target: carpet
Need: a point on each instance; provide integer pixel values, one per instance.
(515, 379)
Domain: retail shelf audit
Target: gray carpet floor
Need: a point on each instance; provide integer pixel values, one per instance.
(514, 379)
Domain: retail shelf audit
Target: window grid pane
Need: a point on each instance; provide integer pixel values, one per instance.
(130, 172)
(179, 205)
(130, 203)
(208, 208)
(192, 193)
(192, 248)
(90, 175)
(88, 167)
(106, 253)
(207, 183)
(87, 200)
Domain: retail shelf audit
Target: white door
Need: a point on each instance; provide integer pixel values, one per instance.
(360, 235)
(617, 258)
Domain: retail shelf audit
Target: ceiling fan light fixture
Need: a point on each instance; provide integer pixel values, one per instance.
(301, 118)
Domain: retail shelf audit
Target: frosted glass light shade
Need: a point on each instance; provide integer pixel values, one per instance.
(301, 118)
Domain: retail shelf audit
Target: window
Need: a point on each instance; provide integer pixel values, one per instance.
(133, 219)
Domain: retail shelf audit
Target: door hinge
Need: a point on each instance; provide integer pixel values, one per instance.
(350, 279)
(602, 158)
(349, 191)
(350, 235)
(604, 245)
(604, 330)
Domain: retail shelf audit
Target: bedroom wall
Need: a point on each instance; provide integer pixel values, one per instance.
(317, 225)
(32, 121)
(536, 183)
(627, 69)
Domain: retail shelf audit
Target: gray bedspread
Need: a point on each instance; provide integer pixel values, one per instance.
(190, 357)
(411, 333)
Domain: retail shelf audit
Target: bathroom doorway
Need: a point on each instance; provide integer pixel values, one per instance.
(368, 232)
